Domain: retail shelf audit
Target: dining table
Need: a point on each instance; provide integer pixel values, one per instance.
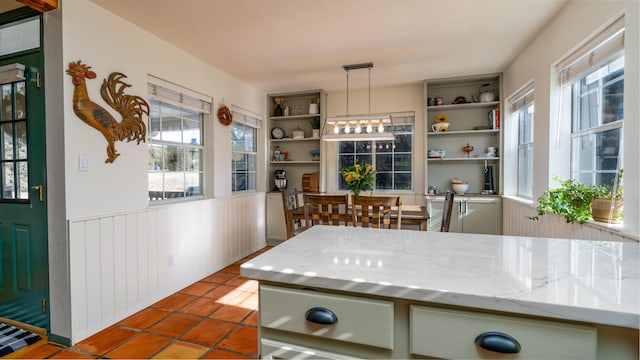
(411, 215)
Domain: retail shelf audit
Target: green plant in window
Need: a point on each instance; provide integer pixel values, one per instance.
(571, 200)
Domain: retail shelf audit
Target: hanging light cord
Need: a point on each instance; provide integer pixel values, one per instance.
(370, 90)
(347, 92)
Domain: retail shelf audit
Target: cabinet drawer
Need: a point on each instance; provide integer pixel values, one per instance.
(359, 320)
(271, 349)
(452, 334)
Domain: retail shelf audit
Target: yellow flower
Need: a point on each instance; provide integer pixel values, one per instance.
(359, 177)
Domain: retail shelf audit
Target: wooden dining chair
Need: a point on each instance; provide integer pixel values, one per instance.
(290, 203)
(326, 209)
(375, 211)
(446, 211)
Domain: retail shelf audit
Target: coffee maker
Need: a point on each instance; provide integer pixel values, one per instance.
(280, 180)
(488, 180)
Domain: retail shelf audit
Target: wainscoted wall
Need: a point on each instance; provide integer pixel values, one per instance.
(515, 222)
(122, 263)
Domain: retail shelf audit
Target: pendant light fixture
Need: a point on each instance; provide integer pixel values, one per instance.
(361, 127)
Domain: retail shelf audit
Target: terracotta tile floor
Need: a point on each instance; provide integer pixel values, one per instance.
(214, 318)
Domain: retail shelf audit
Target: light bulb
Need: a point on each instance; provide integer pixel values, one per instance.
(380, 128)
(347, 129)
(336, 130)
(369, 128)
(358, 129)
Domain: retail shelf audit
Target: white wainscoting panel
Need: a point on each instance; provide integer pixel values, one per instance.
(122, 263)
(515, 222)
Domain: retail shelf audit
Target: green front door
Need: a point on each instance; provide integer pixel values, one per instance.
(24, 276)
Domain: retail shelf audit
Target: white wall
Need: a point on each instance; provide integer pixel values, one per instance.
(106, 208)
(575, 24)
(388, 99)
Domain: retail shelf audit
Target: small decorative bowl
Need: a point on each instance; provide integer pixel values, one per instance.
(460, 188)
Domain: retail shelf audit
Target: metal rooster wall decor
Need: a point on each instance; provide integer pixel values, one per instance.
(130, 107)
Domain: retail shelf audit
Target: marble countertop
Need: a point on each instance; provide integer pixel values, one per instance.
(589, 281)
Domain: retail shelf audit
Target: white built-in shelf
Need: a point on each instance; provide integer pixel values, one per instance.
(465, 106)
(295, 162)
(464, 159)
(463, 132)
(295, 140)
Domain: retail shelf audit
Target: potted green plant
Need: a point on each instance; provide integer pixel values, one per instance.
(571, 200)
(606, 206)
(315, 125)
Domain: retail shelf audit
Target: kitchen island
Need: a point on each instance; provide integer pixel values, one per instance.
(370, 293)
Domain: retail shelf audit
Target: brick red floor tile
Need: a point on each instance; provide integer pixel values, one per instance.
(198, 289)
(208, 332)
(174, 325)
(182, 350)
(230, 313)
(41, 351)
(142, 346)
(144, 318)
(70, 354)
(243, 339)
(106, 340)
(201, 307)
(221, 354)
(218, 278)
(252, 319)
(174, 302)
(233, 269)
(222, 291)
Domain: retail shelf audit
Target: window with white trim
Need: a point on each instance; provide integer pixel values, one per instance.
(593, 88)
(244, 157)
(522, 111)
(175, 140)
(392, 159)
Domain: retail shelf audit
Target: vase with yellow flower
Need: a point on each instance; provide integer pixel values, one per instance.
(359, 177)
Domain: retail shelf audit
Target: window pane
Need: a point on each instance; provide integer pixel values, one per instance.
(193, 159)
(7, 141)
(154, 120)
(384, 162)
(237, 136)
(19, 36)
(21, 110)
(384, 181)
(402, 181)
(21, 140)
(23, 180)
(403, 143)
(6, 112)
(8, 184)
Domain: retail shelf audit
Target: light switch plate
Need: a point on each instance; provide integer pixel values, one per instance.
(83, 163)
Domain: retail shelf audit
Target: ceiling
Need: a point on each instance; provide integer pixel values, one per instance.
(285, 45)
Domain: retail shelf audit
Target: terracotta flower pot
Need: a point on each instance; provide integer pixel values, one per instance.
(604, 210)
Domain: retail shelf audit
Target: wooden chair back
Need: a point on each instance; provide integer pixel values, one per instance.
(326, 209)
(446, 211)
(375, 211)
(290, 203)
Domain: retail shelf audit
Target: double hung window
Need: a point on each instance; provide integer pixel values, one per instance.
(522, 111)
(244, 135)
(392, 159)
(175, 133)
(593, 87)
